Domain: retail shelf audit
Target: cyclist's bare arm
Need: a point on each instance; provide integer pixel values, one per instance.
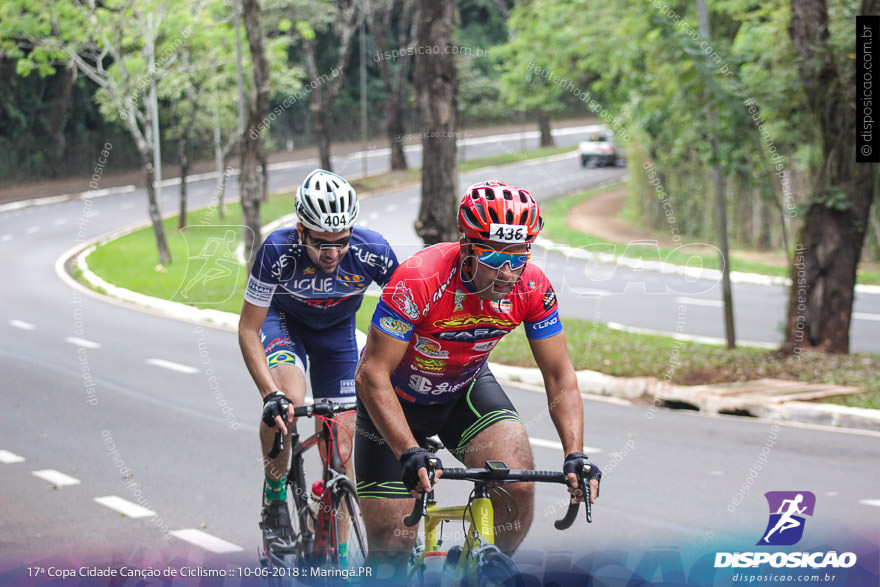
(563, 396)
(249, 324)
(382, 354)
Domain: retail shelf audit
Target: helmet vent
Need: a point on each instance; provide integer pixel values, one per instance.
(493, 215)
(507, 195)
(490, 194)
(522, 197)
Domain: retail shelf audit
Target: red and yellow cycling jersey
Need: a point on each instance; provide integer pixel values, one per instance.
(450, 329)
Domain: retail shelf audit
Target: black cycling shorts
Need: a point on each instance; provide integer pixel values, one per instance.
(457, 423)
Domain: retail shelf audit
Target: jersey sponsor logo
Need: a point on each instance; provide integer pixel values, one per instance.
(504, 306)
(403, 299)
(508, 233)
(314, 284)
(370, 258)
(277, 342)
(346, 387)
(309, 271)
(435, 365)
(549, 299)
(531, 284)
(472, 335)
(353, 279)
(546, 323)
(459, 300)
(475, 321)
(423, 385)
(395, 325)
(439, 293)
(430, 348)
(485, 346)
(258, 291)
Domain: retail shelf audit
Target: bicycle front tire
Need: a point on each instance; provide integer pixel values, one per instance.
(348, 527)
(496, 568)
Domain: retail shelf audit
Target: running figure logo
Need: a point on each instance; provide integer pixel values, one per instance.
(786, 524)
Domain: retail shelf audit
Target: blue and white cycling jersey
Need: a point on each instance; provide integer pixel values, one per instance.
(284, 277)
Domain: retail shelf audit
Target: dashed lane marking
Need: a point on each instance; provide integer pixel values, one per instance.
(699, 302)
(22, 324)
(5, 238)
(873, 502)
(8, 458)
(206, 541)
(56, 478)
(864, 316)
(33, 230)
(82, 342)
(555, 444)
(172, 366)
(124, 507)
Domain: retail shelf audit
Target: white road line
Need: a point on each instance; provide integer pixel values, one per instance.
(7, 458)
(699, 302)
(56, 478)
(391, 208)
(22, 324)
(33, 229)
(127, 206)
(863, 316)
(558, 445)
(373, 215)
(124, 507)
(5, 238)
(206, 541)
(873, 502)
(173, 366)
(82, 342)
(60, 221)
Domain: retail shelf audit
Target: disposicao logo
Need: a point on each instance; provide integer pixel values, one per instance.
(785, 528)
(787, 511)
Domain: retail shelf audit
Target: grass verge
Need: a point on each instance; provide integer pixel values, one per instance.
(555, 213)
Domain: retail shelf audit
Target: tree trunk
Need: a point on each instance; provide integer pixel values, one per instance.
(327, 86)
(829, 246)
(436, 88)
(258, 109)
(153, 206)
(57, 113)
(379, 19)
(183, 158)
(544, 128)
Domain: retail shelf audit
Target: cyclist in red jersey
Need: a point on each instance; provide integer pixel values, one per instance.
(423, 370)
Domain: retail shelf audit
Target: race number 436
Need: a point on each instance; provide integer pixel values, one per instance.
(508, 233)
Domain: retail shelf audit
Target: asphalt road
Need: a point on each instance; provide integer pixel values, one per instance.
(105, 408)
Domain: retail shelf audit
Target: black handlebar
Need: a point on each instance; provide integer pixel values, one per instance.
(487, 475)
(324, 408)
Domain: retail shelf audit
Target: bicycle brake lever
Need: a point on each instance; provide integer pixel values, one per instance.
(587, 505)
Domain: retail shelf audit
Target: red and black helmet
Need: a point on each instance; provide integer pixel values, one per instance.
(495, 211)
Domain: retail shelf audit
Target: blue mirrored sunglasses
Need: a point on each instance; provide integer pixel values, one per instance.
(497, 259)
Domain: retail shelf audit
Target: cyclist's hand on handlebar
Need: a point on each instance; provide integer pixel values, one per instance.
(277, 410)
(414, 463)
(574, 464)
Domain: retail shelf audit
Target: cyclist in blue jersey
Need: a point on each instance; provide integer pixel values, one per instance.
(305, 287)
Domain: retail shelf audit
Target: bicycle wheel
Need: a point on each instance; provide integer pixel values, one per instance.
(349, 537)
(496, 568)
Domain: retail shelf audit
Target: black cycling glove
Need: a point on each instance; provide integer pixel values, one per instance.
(573, 463)
(274, 404)
(411, 461)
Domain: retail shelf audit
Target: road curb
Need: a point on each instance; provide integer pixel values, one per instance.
(702, 398)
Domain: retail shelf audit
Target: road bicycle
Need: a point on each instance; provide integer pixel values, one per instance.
(333, 537)
(478, 561)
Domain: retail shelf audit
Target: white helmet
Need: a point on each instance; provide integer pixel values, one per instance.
(326, 202)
